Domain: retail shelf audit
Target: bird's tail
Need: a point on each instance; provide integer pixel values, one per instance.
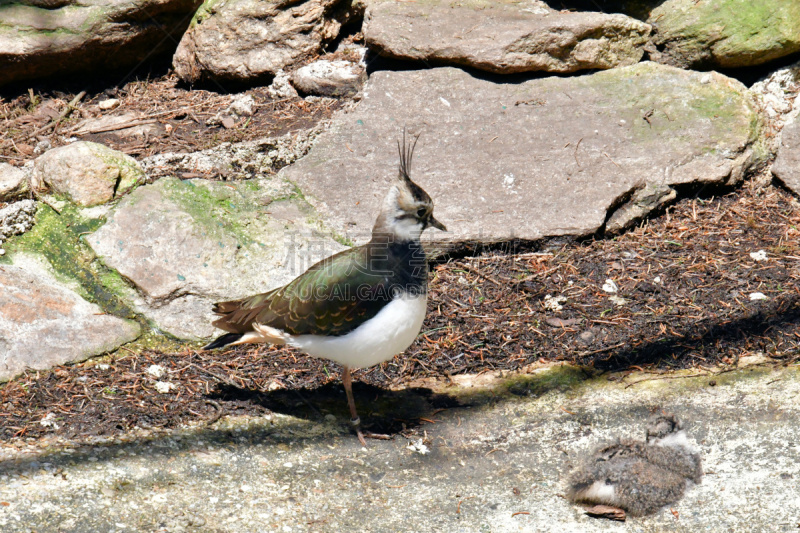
(223, 340)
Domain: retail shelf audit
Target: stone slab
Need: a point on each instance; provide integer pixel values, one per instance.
(187, 244)
(248, 40)
(44, 323)
(503, 37)
(724, 33)
(43, 39)
(787, 165)
(531, 159)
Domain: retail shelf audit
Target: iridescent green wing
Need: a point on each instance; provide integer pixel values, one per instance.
(332, 297)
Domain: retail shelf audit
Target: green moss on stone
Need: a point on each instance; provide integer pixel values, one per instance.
(674, 98)
(153, 339)
(206, 9)
(560, 378)
(732, 33)
(57, 238)
(215, 207)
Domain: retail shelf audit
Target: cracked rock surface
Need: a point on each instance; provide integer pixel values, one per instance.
(85, 172)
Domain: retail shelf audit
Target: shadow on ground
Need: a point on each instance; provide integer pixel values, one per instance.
(719, 337)
(381, 410)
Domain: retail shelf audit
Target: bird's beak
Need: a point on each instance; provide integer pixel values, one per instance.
(436, 224)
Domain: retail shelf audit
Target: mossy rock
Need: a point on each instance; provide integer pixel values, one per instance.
(725, 33)
(186, 244)
(86, 173)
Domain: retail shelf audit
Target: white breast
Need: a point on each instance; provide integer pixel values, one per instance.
(378, 339)
(598, 492)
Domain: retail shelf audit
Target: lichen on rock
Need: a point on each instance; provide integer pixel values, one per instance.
(16, 219)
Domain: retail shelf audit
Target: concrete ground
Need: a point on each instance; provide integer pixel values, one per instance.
(497, 463)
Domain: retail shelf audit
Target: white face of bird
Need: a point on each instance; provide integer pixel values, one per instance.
(408, 209)
(408, 212)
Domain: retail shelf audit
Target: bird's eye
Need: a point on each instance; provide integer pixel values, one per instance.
(421, 212)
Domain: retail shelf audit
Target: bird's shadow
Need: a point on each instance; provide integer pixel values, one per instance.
(381, 410)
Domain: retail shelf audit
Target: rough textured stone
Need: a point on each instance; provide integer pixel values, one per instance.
(503, 37)
(281, 87)
(87, 173)
(787, 165)
(16, 218)
(777, 97)
(544, 157)
(724, 33)
(12, 182)
(43, 323)
(43, 39)
(330, 78)
(648, 198)
(497, 465)
(188, 244)
(248, 40)
(234, 161)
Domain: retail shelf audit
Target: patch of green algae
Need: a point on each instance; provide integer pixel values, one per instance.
(731, 33)
(58, 238)
(572, 381)
(561, 378)
(670, 98)
(223, 210)
(206, 9)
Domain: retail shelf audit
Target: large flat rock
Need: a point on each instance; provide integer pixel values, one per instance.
(504, 37)
(187, 244)
(44, 323)
(40, 39)
(724, 33)
(497, 466)
(543, 157)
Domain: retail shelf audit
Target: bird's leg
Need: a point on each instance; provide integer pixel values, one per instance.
(347, 381)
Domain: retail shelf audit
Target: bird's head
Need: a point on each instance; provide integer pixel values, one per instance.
(407, 210)
(661, 426)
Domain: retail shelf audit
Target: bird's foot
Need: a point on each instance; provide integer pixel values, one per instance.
(362, 435)
(356, 423)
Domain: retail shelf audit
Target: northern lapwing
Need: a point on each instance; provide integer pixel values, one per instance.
(359, 307)
(638, 477)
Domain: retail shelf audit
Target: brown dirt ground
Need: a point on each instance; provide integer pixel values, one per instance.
(163, 116)
(686, 278)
